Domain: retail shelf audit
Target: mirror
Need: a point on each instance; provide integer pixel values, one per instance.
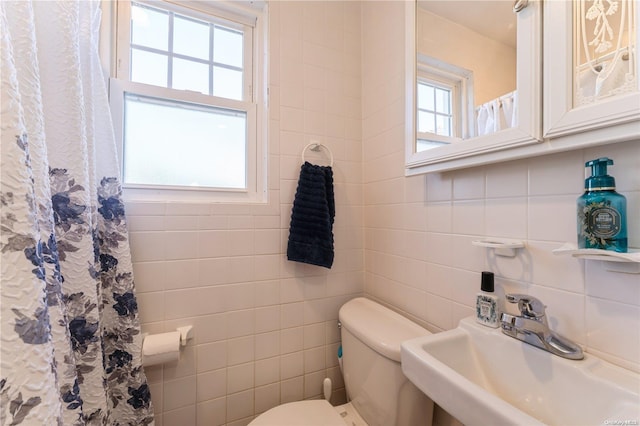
(477, 38)
(475, 81)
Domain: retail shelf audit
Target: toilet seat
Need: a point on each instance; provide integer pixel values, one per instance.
(317, 412)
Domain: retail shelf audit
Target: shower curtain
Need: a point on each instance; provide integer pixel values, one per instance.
(70, 334)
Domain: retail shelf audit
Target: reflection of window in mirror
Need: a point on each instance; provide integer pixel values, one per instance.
(481, 37)
(444, 103)
(435, 114)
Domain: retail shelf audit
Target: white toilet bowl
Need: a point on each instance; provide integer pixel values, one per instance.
(380, 394)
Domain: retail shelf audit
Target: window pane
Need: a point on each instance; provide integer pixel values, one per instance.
(183, 144)
(425, 97)
(148, 68)
(227, 83)
(189, 75)
(443, 100)
(227, 47)
(149, 27)
(426, 122)
(443, 125)
(191, 38)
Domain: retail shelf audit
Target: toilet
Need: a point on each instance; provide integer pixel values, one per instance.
(379, 393)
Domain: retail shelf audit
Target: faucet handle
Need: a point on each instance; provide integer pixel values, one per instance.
(529, 306)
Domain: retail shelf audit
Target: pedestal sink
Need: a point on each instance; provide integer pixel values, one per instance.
(483, 377)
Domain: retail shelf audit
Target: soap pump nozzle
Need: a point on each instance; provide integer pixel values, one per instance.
(599, 179)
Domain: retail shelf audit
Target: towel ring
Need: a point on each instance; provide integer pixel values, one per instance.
(315, 146)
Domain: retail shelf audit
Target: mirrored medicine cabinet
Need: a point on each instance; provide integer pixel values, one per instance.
(475, 79)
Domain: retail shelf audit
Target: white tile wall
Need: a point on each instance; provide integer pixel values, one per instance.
(265, 328)
(261, 323)
(532, 199)
(431, 271)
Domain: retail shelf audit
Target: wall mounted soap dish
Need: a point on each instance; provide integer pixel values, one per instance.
(501, 246)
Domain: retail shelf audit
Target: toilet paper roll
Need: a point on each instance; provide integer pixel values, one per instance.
(160, 348)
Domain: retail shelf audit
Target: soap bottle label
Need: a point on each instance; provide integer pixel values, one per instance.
(604, 222)
(601, 225)
(487, 310)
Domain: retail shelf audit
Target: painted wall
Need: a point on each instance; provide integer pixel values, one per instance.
(265, 328)
(493, 63)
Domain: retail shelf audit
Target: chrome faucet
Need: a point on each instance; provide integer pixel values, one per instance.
(531, 327)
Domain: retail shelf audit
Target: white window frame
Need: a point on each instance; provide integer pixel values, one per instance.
(254, 103)
(459, 82)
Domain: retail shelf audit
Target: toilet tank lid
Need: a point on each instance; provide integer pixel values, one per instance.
(380, 328)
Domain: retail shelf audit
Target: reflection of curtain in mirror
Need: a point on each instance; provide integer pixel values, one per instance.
(497, 114)
(486, 118)
(604, 49)
(507, 111)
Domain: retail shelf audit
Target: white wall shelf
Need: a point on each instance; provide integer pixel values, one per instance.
(628, 263)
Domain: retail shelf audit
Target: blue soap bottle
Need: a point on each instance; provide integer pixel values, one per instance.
(602, 212)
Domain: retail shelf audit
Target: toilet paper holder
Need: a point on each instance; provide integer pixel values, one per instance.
(186, 333)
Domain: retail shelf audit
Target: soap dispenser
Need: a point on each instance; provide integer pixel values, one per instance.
(487, 302)
(602, 212)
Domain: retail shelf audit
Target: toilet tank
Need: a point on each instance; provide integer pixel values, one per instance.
(371, 337)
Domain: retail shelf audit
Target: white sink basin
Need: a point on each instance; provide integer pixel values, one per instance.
(483, 377)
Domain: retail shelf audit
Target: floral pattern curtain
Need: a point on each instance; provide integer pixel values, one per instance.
(70, 335)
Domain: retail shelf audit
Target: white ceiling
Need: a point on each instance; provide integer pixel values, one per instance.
(492, 18)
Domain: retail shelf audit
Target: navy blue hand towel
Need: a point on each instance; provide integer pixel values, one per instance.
(311, 229)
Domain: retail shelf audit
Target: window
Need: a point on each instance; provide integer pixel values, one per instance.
(434, 109)
(188, 101)
(444, 103)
